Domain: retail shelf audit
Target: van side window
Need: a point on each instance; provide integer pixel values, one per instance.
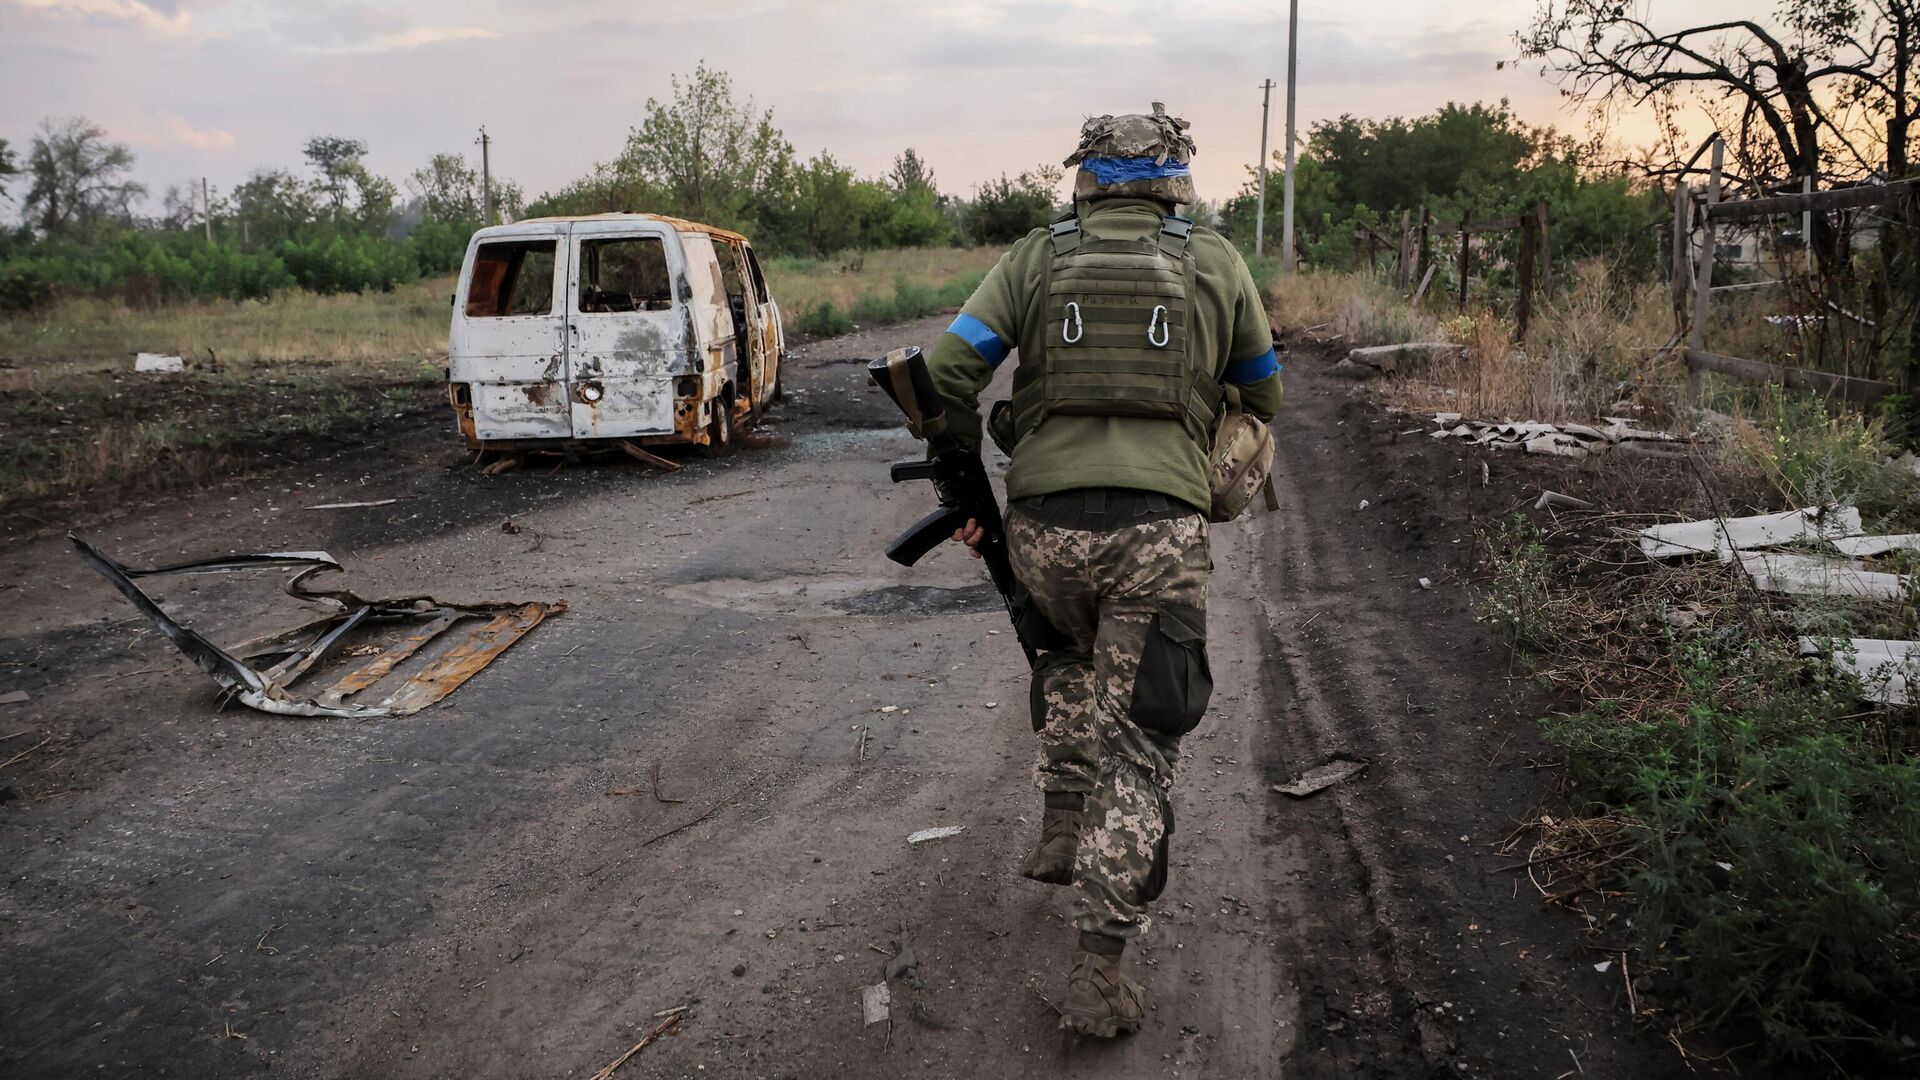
(759, 279)
(512, 278)
(627, 273)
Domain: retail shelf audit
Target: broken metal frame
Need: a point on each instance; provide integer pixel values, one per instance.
(296, 651)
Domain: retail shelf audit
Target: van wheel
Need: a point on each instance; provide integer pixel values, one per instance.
(719, 429)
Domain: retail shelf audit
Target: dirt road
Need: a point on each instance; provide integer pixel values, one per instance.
(695, 788)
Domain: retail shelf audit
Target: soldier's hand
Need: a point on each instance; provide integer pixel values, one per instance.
(971, 534)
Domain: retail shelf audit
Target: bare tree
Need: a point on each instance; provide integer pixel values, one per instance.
(79, 178)
(1823, 88)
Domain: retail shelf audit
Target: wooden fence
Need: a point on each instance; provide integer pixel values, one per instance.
(1412, 250)
(1693, 277)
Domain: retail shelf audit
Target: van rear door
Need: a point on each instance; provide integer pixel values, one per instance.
(629, 337)
(508, 341)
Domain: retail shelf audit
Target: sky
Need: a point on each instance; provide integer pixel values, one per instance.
(219, 88)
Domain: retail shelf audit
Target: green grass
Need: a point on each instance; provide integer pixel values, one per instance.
(829, 296)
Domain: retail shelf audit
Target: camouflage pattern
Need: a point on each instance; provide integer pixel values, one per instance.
(1155, 135)
(1101, 590)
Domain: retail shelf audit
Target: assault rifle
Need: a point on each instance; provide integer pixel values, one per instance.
(960, 480)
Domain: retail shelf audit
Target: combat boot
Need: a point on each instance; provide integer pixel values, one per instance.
(1052, 861)
(1101, 1001)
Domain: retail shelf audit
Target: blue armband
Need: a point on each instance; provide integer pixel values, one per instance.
(1242, 372)
(981, 337)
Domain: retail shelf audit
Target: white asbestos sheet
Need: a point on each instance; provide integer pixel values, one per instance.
(1860, 547)
(1807, 575)
(1886, 669)
(1722, 538)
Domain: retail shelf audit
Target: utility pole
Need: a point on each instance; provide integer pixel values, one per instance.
(1260, 209)
(1293, 63)
(206, 206)
(486, 177)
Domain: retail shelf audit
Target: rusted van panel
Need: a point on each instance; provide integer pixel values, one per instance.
(616, 326)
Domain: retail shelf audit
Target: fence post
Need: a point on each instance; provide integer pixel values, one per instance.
(1401, 274)
(1681, 270)
(1546, 250)
(1421, 255)
(1703, 280)
(1466, 257)
(1523, 305)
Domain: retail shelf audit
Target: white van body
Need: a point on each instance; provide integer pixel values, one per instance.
(617, 326)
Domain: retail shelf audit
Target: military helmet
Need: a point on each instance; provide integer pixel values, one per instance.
(1144, 154)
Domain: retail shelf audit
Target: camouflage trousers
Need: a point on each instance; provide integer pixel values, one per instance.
(1111, 706)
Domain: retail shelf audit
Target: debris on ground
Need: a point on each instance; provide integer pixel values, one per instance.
(293, 653)
(938, 833)
(1886, 669)
(665, 1025)
(1557, 440)
(1554, 500)
(358, 505)
(1721, 537)
(1811, 575)
(152, 363)
(874, 1001)
(14, 697)
(1386, 358)
(1321, 777)
(904, 964)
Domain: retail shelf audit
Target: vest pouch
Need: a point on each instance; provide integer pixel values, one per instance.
(1174, 683)
(1240, 464)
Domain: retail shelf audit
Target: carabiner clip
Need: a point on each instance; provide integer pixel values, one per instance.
(1159, 315)
(1073, 311)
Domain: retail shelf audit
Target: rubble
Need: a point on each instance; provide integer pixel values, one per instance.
(149, 363)
(1558, 440)
(1721, 537)
(1386, 358)
(938, 833)
(1321, 777)
(1886, 669)
(261, 673)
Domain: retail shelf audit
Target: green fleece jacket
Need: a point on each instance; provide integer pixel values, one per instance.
(1228, 327)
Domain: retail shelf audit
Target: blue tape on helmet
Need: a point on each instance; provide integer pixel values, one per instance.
(1119, 170)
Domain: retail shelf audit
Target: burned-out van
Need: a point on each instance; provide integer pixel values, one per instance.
(614, 327)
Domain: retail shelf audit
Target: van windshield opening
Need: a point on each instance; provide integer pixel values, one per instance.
(627, 273)
(512, 278)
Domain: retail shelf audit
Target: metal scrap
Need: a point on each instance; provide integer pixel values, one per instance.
(261, 673)
(939, 832)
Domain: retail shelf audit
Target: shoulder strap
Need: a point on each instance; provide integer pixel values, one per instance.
(1175, 233)
(1065, 232)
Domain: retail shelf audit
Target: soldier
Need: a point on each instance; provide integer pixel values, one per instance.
(1130, 323)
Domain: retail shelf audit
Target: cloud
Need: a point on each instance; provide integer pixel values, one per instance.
(171, 130)
(135, 11)
(412, 38)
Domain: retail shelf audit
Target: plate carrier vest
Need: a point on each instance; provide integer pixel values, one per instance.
(1116, 335)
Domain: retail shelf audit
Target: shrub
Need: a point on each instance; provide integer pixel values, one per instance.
(1782, 848)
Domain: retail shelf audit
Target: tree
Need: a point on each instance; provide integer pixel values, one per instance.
(9, 168)
(702, 154)
(1005, 210)
(337, 160)
(449, 190)
(79, 178)
(911, 173)
(274, 205)
(1824, 90)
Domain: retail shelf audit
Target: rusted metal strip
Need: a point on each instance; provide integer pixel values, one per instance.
(380, 666)
(464, 660)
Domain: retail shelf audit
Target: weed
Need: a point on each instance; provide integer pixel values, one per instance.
(1781, 849)
(1518, 600)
